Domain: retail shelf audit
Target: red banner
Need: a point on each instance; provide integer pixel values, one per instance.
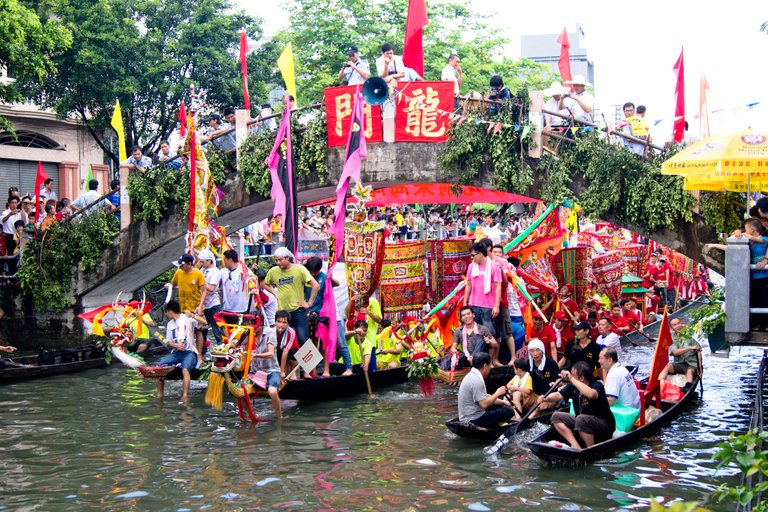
(423, 109)
(339, 102)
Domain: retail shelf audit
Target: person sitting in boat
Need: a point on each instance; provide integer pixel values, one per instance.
(265, 360)
(630, 316)
(475, 404)
(619, 385)
(594, 421)
(287, 342)
(389, 348)
(543, 370)
(608, 338)
(521, 388)
(593, 306)
(544, 333)
(473, 338)
(181, 338)
(602, 297)
(561, 326)
(619, 324)
(687, 356)
(581, 348)
(361, 349)
(563, 302)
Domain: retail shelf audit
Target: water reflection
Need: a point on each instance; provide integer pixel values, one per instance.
(99, 440)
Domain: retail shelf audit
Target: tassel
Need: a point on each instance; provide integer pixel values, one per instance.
(213, 396)
(247, 400)
(427, 387)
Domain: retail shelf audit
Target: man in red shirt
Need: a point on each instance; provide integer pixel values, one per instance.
(667, 277)
(542, 331)
(619, 324)
(563, 302)
(630, 316)
(561, 324)
(652, 271)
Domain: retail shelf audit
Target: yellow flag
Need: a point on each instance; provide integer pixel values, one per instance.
(286, 65)
(117, 125)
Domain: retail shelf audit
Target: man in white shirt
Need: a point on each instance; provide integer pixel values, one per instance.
(389, 66)
(452, 73)
(181, 338)
(356, 70)
(234, 288)
(608, 338)
(475, 404)
(209, 298)
(619, 385)
(91, 200)
(579, 103)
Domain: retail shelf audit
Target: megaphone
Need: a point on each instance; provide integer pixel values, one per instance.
(375, 90)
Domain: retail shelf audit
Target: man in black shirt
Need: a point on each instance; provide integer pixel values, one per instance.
(544, 371)
(581, 348)
(594, 421)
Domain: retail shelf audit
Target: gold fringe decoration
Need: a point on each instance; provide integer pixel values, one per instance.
(213, 396)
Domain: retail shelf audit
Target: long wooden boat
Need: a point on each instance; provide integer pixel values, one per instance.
(541, 448)
(51, 362)
(331, 388)
(469, 430)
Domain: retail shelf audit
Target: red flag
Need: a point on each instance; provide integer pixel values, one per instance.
(413, 50)
(244, 69)
(564, 62)
(192, 179)
(703, 106)
(183, 119)
(41, 177)
(678, 129)
(661, 354)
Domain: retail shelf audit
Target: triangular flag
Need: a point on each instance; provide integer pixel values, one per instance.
(564, 62)
(678, 129)
(286, 64)
(183, 119)
(89, 177)
(413, 49)
(574, 129)
(244, 69)
(39, 179)
(117, 125)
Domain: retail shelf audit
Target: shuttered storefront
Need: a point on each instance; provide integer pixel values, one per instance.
(22, 174)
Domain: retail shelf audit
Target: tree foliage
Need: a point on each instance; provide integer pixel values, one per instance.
(29, 49)
(146, 53)
(322, 30)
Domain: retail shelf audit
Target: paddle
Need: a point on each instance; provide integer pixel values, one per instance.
(622, 332)
(364, 368)
(505, 438)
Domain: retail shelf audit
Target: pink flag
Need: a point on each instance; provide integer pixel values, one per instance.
(280, 163)
(244, 69)
(39, 180)
(356, 150)
(678, 129)
(413, 49)
(277, 192)
(564, 62)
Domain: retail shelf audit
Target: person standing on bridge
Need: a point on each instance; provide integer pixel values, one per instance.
(287, 281)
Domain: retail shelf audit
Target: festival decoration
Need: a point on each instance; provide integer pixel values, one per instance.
(679, 124)
(424, 368)
(447, 263)
(287, 69)
(339, 108)
(415, 22)
(39, 180)
(244, 69)
(608, 268)
(117, 124)
(417, 113)
(402, 285)
(283, 173)
(573, 265)
(564, 61)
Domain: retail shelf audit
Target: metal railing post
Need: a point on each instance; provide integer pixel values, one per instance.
(737, 261)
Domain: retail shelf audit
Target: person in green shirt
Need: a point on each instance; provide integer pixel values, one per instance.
(362, 350)
(687, 354)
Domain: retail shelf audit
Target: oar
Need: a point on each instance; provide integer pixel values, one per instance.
(505, 438)
(364, 368)
(622, 332)
(701, 374)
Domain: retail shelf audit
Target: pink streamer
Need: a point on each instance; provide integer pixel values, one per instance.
(277, 192)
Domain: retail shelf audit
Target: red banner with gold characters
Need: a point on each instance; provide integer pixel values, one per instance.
(339, 102)
(422, 111)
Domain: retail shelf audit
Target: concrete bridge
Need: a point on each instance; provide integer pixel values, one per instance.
(144, 250)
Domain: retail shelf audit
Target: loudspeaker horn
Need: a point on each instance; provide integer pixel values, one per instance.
(375, 90)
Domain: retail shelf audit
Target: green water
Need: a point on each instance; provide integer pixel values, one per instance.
(99, 440)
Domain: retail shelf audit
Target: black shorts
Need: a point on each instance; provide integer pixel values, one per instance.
(597, 427)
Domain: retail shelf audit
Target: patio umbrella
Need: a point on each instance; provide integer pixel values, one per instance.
(735, 161)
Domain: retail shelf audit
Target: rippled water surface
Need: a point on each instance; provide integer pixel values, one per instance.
(99, 440)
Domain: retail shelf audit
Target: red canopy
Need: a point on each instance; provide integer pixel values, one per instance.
(437, 193)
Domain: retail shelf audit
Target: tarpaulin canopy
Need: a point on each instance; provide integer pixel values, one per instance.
(437, 193)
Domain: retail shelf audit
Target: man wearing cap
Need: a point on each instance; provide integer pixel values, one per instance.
(287, 281)
(209, 299)
(581, 348)
(555, 123)
(220, 136)
(190, 282)
(579, 103)
(563, 302)
(356, 70)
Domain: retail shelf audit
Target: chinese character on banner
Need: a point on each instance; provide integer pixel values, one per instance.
(422, 113)
(339, 102)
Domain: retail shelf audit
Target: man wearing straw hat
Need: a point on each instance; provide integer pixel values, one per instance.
(556, 91)
(579, 103)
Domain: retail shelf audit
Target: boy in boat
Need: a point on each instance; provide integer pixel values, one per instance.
(687, 354)
(521, 387)
(287, 342)
(594, 421)
(265, 360)
(181, 338)
(475, 404)
(359, 343)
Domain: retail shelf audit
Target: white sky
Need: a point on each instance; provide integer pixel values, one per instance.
(634, 46)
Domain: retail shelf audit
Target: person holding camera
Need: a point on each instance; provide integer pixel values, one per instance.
(356, 70)
(498, 93)
(579, 103)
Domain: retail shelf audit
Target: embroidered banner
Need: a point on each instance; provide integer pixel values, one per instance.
(608, 268)
(339, 102)
(403, 286)
(423, 111)
(364, 254)
(447, 261)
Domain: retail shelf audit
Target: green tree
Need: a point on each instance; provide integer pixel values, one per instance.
(321, 30)
(28, 49)
(146, 53)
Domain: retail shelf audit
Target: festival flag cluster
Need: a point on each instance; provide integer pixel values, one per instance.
(282, 171)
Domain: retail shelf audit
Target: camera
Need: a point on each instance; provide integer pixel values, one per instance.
(346, 65)
(567, 95)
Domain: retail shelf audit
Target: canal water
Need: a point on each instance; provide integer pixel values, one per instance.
(99, 440)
